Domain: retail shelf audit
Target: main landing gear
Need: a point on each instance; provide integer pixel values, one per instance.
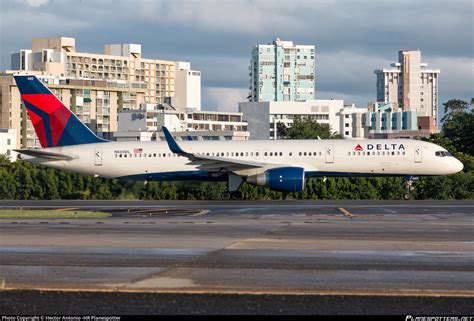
(409, 187)
(233, 193)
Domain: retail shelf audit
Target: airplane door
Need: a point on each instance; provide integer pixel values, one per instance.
(98, 156)
(418, 154)
(329, 154)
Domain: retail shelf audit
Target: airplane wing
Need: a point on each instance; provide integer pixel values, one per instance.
(44, 154)
(210, 163)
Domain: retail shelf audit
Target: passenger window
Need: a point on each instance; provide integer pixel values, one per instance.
(309, 154)
(242, 154)
(291, 154)
(256, 154)
(120, 155)
(265, 154)
(363, 153)
(368, 153)
(300, 153)
(271, 153)
(393, 153)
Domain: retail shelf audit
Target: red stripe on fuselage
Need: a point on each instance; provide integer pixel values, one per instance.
(58, 113)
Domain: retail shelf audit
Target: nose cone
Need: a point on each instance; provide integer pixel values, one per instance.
(456, 166)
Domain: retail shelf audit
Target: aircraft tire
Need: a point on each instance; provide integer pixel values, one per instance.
(237, 195)
(225, 196)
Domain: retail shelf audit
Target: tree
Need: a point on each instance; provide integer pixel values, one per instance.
(453, 107)
(310, 129)
(459, 128)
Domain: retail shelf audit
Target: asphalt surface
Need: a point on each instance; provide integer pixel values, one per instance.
(263, 257)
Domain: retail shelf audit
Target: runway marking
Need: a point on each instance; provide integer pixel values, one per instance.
(346, 212)
(381, 293)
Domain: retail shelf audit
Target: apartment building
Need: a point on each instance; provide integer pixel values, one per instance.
(95, 86)
(410, 84)
(282, 71)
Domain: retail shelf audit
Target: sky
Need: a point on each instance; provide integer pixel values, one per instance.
(352, 38)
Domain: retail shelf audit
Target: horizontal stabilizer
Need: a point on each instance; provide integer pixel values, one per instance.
(43, 154)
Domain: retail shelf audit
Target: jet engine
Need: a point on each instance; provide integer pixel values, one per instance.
(283, 179)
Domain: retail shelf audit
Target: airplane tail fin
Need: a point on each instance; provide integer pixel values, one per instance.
(55, 125)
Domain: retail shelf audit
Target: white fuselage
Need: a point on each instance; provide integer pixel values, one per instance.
(154, 160)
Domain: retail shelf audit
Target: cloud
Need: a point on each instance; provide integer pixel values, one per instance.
(352, 38)
(244, 17)
(34, 3)
(223, 99)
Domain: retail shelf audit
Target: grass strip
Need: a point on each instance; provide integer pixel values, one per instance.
(51, 214)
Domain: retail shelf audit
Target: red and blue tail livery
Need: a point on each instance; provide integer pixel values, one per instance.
(54, 123)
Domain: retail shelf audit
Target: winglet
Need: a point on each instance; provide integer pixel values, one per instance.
(172, 144)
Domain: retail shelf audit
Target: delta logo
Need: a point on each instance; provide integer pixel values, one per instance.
(359, 148)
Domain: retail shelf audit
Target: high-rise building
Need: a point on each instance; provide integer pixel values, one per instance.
(410, 84)
(282, 71)
(57, 56)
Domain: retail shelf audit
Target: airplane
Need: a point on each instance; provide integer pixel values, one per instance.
(282, 165)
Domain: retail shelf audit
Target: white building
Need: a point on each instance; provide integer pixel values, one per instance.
(145, 124)
(8, 143)
(350, 122)
(189, 83)
(263, 117)
(410, 84)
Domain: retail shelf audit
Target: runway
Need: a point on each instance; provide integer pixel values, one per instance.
(381, 255)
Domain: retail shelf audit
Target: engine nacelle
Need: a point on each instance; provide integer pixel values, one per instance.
(283, 179)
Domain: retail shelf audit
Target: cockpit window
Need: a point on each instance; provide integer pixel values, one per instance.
(443, 153)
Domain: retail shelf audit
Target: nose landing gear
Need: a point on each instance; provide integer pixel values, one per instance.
(409, 187)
